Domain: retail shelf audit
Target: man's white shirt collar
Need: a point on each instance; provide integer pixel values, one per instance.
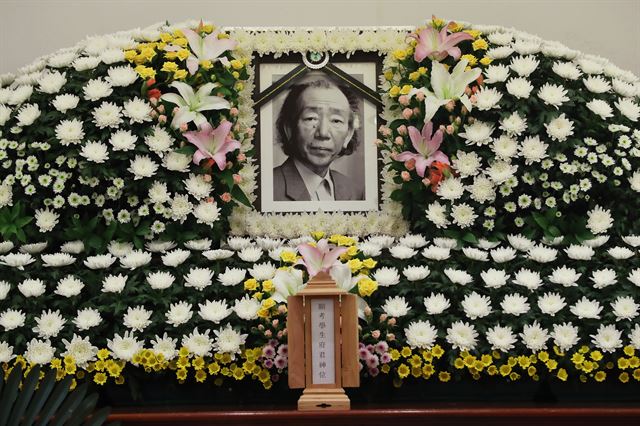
(312, 181)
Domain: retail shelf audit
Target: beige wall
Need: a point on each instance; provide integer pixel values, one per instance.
(609, 28)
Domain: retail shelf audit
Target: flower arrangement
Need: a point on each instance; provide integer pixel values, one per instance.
(127, 161)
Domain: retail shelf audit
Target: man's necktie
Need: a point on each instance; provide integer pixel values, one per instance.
(323, 192)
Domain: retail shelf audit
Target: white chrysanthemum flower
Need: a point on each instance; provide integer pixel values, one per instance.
(597, 84)
(142, 167)
(6, 247)
(463, 215)
(62, 59)
(125, 347)
(166, 346)
(69, 286)
(476, 254)
(206, 213)
(601, 108)
(607, 338)
(32, 287)
(100, 261)
(634, 276)
(111, 56)
(33, 248)
(107, 115)
(114, 283)
(416, 273)
(542, 254)
(503, 254)
(228, 340)
(135, 259)
(534, 337)
(161, 141)
(478, 133)
(239, 243)
(499, 52)
(250, 254)
(96, 89)
(628, 108)
(515, 304)
(137, 318)
(437, 214)
(51, 82)
(12, 319)
(553, 95)
(501, 338)
(179, 313)
(513, 125)
(28, 114)
(444, 242)
(528, 279)
(199, 344)
(487, 99)
(386, 276)
(496, 74)
(476, 306)
(500, 38)
(158, 193)
(566, 277)
(219, 254)
(39, 352)
(579, 252)
(500, 171)
(526, 44)
(634, 181)
(589, 66)
(451, 188)
(86, 63)
(214, 310)
(467, 163)
(198, 245)
(160, 280)
(72, 247)
(80, 349)
(137, 110)
(620, 253)
(247, 308)
(599, 220)
(634, 337)
(87, 318)
(533, 150)
(434, 252)
(603, 278)
(396, 307)
(157, 246)
(566, 70)
(175, 257)
(121, 76)
(436, 303)
(123, 140)
(560, 128)
(519, 87)
(585, 308)
(48, 324)
(5, 287)
(462, 336)
(6, 352)
(95, 152)
(623, 88)
(5, 114)
(402, 252)
(70, 132)
(384, 241)
(624, 307)
(565, 336)
(232, 276)
(420, 334)
(176, 162)
(524, 65)
(632, 240)
(458, 276)
(369, 249)
(199, 278)
(551, 303)
(505, 147)
(494, 278)
(46, 220)
(65, 102)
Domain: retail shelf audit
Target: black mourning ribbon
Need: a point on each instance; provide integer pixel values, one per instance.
(329, 69)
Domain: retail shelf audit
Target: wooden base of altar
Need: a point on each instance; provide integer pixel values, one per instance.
(324, 399)
(449, 414)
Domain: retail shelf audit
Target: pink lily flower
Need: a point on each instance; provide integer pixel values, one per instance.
(213, 143)
(438, 45)
(427, 146)
(319, 258)
(207, 48)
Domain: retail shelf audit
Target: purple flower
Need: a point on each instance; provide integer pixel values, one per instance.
(427, 145)
(381, 347)
(438, 45)
(213, 143)
(281, 362)
(268, 351)
(283, 350)
(373, 372)
(385, 358)
(267, 363)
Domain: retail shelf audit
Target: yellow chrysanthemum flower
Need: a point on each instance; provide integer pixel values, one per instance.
(562, 374)
(444, 376)
(100, 378)
(480, 44)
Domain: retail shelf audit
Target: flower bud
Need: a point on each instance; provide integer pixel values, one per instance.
(407, 113)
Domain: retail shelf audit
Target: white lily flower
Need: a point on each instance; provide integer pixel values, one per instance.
(191, 104)
(447, 87)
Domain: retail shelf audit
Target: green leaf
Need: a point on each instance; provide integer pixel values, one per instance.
(554, 231)
(21, 222)
(470, 238)
(541, 220)
(188, 150)
(240, 196)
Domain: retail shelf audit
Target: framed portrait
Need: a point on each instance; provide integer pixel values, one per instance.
(316, 132)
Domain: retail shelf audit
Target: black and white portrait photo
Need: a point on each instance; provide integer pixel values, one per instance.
(316, 143)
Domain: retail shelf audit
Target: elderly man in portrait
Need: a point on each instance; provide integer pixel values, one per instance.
(316, 125)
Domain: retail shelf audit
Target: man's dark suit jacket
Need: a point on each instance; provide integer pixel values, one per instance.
(289, 186)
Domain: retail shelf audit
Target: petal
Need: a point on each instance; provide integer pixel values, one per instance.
(406, 155)
(213, 102)
(416, 140)
(195, 41)
(174, 98)
(454, 52)
(439, 78)
(421, 165)
(213, 47)
(312, 258)
(431, 106)
(434, 143)
(220, 133)
(185, 91)
(466, 102)
(192, 64)
(331, 257)
(441, 157)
